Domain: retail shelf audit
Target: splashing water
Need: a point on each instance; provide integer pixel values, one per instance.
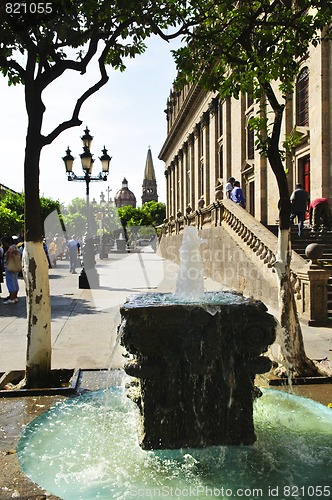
(190, 282)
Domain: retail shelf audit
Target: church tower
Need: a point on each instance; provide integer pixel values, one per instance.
(149, 187)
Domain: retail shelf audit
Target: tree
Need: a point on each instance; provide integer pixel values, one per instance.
(156, 211)
(75, 218)
(10, 221)
(257, 47)
(12, 212)
(151, 213)
(39, 43)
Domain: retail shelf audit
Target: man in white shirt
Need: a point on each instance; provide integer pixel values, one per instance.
(229, 186)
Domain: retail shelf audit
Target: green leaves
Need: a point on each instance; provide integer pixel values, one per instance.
(152, 213)
(12, 212)
(257, 41)
(47, 33)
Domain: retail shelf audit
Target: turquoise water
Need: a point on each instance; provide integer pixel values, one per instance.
(86, 448)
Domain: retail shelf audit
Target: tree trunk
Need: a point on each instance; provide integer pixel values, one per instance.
(35, 265)
(295, 362)
(38, 360)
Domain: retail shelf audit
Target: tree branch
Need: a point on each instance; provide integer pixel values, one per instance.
(54, 72)
(75, 121)
(157, 31)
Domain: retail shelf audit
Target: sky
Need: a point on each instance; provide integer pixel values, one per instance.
(127, 116)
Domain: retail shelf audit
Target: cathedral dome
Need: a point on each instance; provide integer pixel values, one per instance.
(124, 196)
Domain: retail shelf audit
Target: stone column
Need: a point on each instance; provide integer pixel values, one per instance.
(213, 143)
(205, 160)
(314, 295)
(193, 194)
(197, 164)
(186, 177)
(194, 369)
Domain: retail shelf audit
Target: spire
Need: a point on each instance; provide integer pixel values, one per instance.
(149, 187)
(149, 174)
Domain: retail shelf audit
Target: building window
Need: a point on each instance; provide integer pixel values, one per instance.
(220, 120)
(221, 161)
(201, 143)
(250, 99)
(250, 143)
(302, 99)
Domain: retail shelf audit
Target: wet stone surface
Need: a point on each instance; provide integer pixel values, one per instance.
(15, 414)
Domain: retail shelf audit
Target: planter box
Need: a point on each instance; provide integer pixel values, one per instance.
(66, 383)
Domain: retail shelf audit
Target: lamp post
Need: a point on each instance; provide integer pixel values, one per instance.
(102, 247)
(89, 277)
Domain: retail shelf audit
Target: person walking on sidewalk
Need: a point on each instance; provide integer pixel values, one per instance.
(2, 255)
(299, 205)
(74, 251)
(12, 263)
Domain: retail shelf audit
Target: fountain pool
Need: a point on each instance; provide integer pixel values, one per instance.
(87, 448)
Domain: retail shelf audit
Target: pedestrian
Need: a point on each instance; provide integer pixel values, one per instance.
(60, 243)
(74, 251)
(299, 205)
(1, 266)
(13, 265)
(319, 213)
(52, 252)
(237, 194)
(228, 188)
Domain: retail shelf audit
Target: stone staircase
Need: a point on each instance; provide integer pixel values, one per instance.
(324, 239)
(299, 244)
(241, 253)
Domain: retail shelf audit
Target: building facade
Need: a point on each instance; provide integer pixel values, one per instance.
(208, 140)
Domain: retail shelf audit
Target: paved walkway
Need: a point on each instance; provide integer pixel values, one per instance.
(84, 322)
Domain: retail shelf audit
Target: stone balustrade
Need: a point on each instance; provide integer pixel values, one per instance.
(224, 219)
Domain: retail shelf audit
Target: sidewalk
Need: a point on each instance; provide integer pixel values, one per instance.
(84, 322)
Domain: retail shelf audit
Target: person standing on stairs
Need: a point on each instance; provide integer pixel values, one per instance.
(299, 206)
(319, 213)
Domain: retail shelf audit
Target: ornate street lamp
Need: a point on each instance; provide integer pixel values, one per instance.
(89, 277)
(103, 254)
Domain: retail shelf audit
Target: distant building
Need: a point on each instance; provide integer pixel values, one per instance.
(4, 189)
(124, 197)
(149, 186)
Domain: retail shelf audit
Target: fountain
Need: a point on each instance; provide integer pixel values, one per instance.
(194, 356)
(87, 447)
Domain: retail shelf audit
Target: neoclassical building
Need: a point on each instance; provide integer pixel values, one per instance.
(208, 140)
